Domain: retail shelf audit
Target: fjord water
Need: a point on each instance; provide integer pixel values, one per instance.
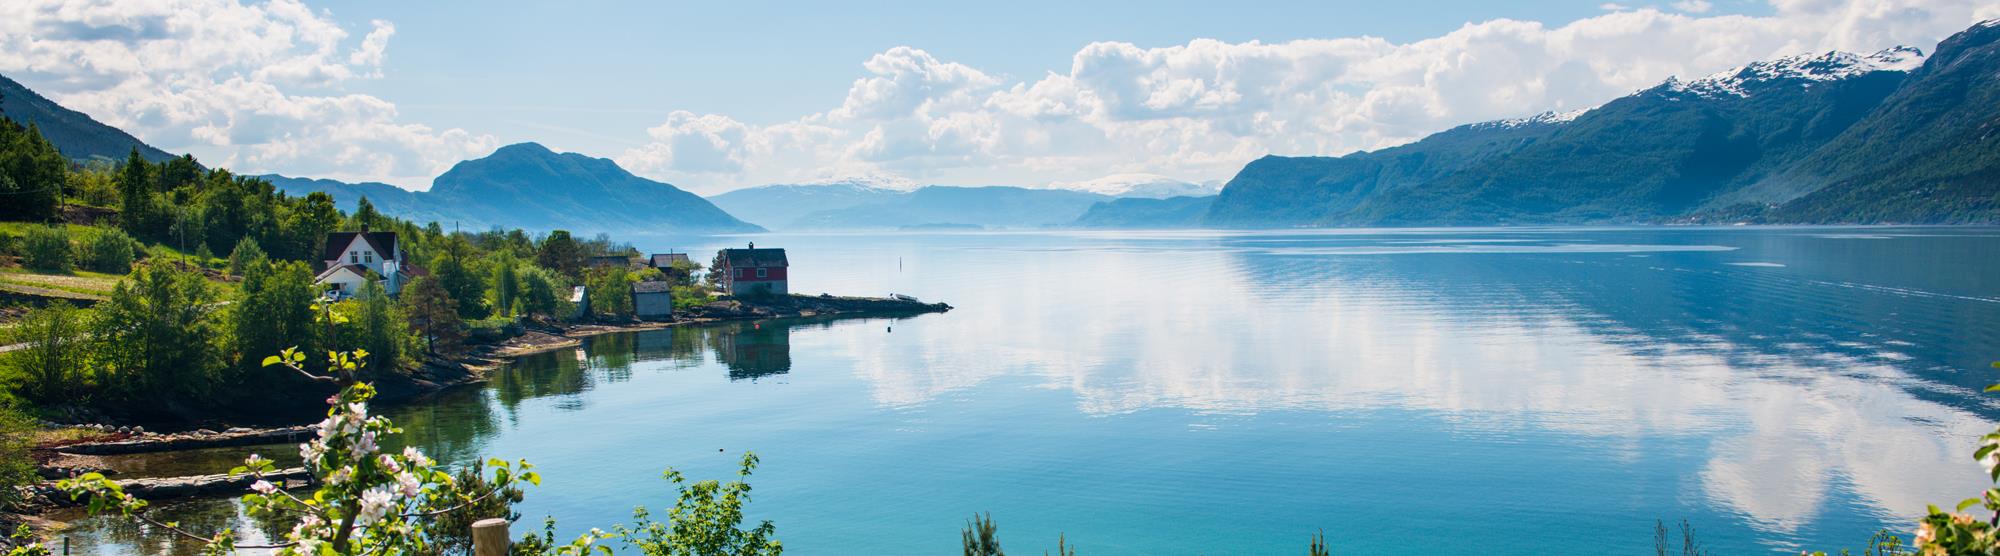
(1550, 391)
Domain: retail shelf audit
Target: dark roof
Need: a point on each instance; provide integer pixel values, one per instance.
(665, 259)
(652, 286)
(753, 258)
(383, 242)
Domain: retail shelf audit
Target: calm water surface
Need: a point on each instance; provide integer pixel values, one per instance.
(1419, 391)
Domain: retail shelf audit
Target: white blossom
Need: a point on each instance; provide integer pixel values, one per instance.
(415, 457)
(263, 487)
(374, 504)
(409, 483)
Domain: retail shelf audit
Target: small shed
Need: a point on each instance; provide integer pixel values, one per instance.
(579, 302)
(609, 261)
(653, 299)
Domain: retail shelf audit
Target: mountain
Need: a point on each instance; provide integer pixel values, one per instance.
(1294, 191)
(1140, 212)
(1929, 154)
(1892, 136)
(387, 199)
(528, 186)
(989, 207)
(780, 206)
(74, 133)
(1151, 186)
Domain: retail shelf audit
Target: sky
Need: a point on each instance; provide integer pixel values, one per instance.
(718, 96)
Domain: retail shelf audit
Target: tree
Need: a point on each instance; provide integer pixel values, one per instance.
(306, 229)
(32, 173)
(107, 250)
(275, 311)
(137, 212)
(559, 252)
(611, 291)
(47, 249)
(464, 286)
(366, 216)
(506, 286)
(245, 253)
(433, 315)
(382, 329)
(52, 365)
(705, 520)
(539, 291)
(156, 332)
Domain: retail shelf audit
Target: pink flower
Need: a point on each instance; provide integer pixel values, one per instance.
(263, 487)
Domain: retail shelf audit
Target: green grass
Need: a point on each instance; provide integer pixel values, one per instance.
(81, 281)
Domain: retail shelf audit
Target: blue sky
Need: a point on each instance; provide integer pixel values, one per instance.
(718, 96)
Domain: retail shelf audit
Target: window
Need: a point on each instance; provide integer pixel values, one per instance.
(763, 272)
(368, 257)
(354, 256)
(742, 273)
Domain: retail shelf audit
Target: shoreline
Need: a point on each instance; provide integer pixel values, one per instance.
(432, 377)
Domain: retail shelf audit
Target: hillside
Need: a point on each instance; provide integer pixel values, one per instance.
(1835, 137)
(989, 207)
(1930, 154)
(1171, 212)
(74, 133)
(528, 186)
(781, 206)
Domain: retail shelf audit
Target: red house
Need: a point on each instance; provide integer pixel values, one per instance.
(751, 271)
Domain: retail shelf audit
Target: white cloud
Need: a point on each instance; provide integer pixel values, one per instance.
(252, 87)
(1693, 6)
(1204, 108)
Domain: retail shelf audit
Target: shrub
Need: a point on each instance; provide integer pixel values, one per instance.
(107, 250)
(246, 252)
(47, 249)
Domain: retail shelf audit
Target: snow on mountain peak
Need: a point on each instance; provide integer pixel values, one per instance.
(1138, 185)
(1545, 118)
(874, 181)
(1806, 68)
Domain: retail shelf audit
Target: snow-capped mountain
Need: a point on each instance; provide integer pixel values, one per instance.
(1151, 186)
(1801, 70)
(1545, 118)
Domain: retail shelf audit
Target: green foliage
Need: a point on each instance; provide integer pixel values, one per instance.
(689, 297)
(47, 249)
(107, 250)
(383, 331)
(982, 537)
(465, 287)
(245, 253)
(506, 282)
(52, 368)
(433, 314)
(541, 290)
(1318, 547)
(559, 252)
(92, 185)
(451, 532)
(611, 290)
(32, 173)
(17, 466)
(705, 521)
(273, 311)
(156, 336)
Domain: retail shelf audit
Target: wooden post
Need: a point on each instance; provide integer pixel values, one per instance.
(489, 537)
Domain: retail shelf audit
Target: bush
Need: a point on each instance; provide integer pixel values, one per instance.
(46, 248)
(107, 250)
(51, 368)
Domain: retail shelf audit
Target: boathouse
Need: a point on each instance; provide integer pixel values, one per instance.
(653, 299)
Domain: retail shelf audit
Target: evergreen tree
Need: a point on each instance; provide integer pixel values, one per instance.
(245, 253)
(433, 315)
(32, 174)
(561, 253)
(136, 207)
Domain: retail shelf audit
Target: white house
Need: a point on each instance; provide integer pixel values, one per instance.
(351, 256)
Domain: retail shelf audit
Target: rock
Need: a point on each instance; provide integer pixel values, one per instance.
(206, 432)
(138, 430)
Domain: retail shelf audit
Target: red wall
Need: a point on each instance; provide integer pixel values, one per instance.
(750, 275)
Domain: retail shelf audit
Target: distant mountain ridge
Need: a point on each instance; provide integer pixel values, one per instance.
(1888, 137)
(74, 133)
(528, 186)
(842, 206)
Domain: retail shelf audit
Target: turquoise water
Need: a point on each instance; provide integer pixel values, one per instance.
(1419, 391)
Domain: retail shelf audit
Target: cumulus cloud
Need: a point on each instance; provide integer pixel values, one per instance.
(1202, 109)
(253, 87)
